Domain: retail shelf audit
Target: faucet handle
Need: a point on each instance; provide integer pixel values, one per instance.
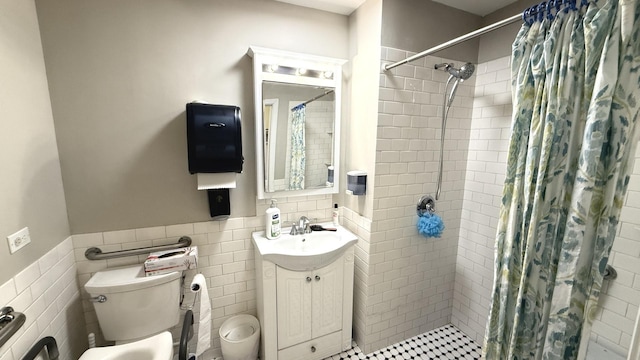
(294, 228)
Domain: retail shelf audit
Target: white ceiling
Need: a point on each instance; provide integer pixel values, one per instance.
(478, 7)
(345, 7)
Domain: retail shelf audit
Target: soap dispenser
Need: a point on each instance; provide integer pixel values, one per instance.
(272, 221)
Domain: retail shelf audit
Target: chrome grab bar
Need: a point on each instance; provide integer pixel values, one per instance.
(95, 253)
(10, 323)
(187, 333)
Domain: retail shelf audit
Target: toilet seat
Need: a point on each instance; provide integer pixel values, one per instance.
(157, 347)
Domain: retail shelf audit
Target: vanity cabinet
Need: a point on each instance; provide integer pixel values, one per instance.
(308, 314)
(309, 303)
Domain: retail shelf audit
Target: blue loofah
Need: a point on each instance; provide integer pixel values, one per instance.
(430, 225)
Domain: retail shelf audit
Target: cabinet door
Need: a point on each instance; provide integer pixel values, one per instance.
(327, 297)
(294, 306)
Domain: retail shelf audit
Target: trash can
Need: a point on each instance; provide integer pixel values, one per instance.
(240, 338)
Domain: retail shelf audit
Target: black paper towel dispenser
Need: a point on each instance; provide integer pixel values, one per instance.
(214, 138)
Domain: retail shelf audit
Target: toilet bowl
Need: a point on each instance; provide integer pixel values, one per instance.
(130, 306)
(158, 347)
(240, 338)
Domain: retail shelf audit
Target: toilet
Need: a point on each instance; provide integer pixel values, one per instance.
(131, 307)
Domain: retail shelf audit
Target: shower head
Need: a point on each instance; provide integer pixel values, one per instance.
(463, 73)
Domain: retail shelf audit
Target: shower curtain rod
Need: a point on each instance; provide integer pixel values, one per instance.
(456, 41)
(312, 99)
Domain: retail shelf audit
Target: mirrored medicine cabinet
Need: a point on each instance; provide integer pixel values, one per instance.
(297, 105)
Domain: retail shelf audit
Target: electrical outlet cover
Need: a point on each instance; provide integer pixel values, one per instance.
(18, 240)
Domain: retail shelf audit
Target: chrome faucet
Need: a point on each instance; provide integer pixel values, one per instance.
(302, 227)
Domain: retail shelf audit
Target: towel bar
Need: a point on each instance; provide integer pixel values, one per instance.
(95, 253)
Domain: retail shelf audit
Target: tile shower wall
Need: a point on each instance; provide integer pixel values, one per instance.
(618, 305)
(360, 226)
(404, 282)
(485, 171)
(490, 131)
(47, 293)
(226, 258)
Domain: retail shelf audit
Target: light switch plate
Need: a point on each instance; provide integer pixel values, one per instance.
(18, 240)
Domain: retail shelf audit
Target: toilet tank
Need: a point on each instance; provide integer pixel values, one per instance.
(136, 306)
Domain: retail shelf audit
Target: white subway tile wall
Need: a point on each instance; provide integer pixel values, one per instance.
(226, 258)
(620, 299)
(360, 226)
(47, 293)
(404, 281)
(485, 170)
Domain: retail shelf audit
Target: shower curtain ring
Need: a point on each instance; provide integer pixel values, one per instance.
(525, 15)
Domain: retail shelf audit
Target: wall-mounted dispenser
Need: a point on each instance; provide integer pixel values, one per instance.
(214, 141)
(214, 137)
(356, 182)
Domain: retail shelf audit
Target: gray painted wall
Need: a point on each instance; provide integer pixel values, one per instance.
(417, 25)
(497, 43)
(32, 193)
(120, 73)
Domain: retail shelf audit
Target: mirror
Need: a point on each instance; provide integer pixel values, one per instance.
(297, 99)
(298, 122)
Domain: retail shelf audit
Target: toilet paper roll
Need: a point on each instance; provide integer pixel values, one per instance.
(199, 286)
(216, 181)
(198, 283)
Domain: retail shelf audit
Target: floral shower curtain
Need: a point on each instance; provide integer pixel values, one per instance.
(576, 93)
(298, 154)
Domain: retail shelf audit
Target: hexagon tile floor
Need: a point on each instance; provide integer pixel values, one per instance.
(443, 343)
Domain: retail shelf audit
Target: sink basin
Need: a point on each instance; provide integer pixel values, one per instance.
(305, 251)
(158, 347)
